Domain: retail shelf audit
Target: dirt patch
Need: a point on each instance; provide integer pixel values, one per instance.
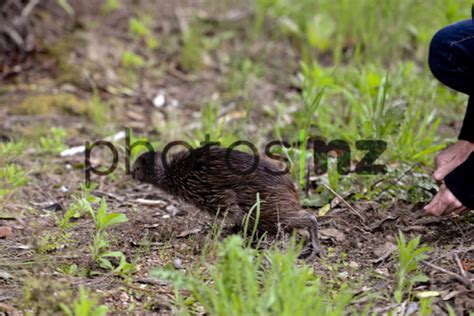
(40, 258)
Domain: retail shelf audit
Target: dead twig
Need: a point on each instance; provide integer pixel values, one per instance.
(150, 202)
(456, 276)
(110, 195)
(458, 262)
(351, 208)
(396, 181)
(151, 281)
(28, 9)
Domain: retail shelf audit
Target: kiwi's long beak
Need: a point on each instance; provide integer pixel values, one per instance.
(125, 179)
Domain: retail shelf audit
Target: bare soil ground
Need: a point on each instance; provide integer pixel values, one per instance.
(171, 233)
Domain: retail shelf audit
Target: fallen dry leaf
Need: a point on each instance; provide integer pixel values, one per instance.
(334, 233)
(5, 232)
(467, 264)
(384, 251)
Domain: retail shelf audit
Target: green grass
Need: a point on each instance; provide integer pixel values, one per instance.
(364, 30)
(53, 143)
(12, 177)
(85, 305)
(192, 51)
(246, 282)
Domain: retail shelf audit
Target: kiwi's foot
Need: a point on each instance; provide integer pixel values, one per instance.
(313, 249)
(310, 252)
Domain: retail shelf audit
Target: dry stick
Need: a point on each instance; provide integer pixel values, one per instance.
(396, 181)
(110, 195)
(356, 212)
(456, 251)
(28, 9)
(458, 277)
(150, 202)
(458, 262)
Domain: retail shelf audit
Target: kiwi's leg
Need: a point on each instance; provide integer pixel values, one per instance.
(308, 221)
(315, 243)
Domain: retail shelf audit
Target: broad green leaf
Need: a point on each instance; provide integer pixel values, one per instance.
(114, 218)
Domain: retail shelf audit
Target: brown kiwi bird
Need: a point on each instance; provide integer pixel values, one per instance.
(217, 179)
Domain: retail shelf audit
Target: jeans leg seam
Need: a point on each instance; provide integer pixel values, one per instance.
(451, 44)
(460, 41)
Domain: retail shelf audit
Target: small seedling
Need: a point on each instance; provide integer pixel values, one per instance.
(110, 6)
(9, 151)
(408, 274)
(53, 143)
(193, 50)
(52, 241)
(100, 243)
(85, 305)
(11, 177)
(138, 28)
(81, 205)
(132, 61)
(99, 110)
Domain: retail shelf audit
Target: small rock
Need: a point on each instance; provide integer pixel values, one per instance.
(172, 210)
(178, 264)
(124, 297)
(412, 308)
(54, 207)
(344, 274)
(159, 100)
(354, 265)
(5, 232)
(383, 271)
(5, 275)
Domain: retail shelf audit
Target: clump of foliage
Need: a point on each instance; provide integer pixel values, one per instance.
(54, 142)
(337, 27)
(85, 305)
(132, 61)
(12, 177)
(410, 254)
(44, 296)
(193, 48)
(101, 242)
(110, 6)
(81, 205)
(247, 282)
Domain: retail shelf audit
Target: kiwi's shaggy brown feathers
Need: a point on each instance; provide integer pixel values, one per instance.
(203, 178)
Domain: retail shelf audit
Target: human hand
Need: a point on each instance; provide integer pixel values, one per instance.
(445, 203)
(450, 158)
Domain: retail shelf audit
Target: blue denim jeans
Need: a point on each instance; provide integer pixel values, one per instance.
(451, 60)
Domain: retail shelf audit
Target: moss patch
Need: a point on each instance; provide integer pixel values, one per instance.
(63, 103)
